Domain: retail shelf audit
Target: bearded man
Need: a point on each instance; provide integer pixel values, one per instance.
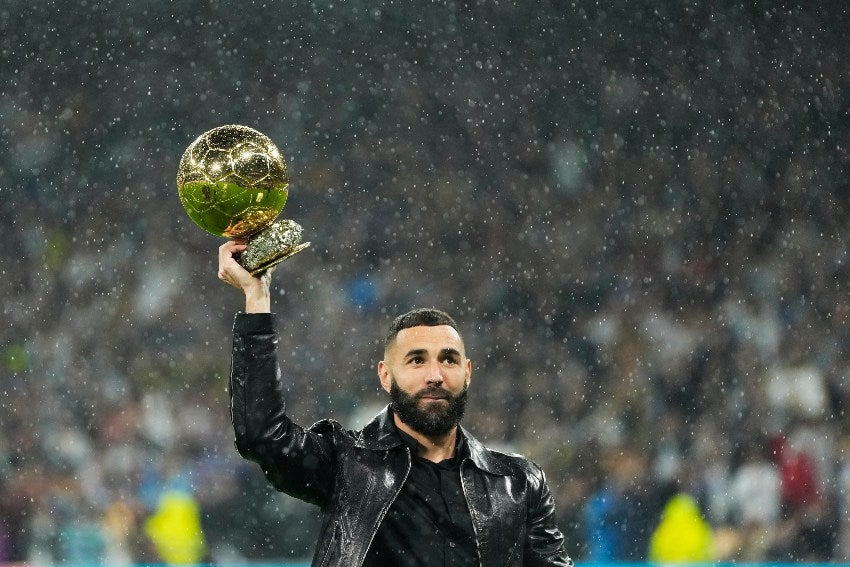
(413, 487)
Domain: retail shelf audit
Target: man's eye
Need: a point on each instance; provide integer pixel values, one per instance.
(417, 360)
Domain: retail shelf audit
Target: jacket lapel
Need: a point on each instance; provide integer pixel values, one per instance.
(483, 458)
(379, 434)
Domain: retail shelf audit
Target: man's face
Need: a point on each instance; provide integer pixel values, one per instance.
(426, 373)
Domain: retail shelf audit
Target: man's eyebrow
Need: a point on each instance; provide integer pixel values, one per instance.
(449, 352)
(415, 352)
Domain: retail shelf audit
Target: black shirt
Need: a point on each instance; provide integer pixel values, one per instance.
(429, 522)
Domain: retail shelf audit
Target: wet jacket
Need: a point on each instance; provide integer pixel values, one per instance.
(354, 476)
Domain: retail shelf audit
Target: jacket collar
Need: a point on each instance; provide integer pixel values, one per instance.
(380, 435)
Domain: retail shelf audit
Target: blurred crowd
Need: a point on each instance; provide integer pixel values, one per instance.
(637, 213)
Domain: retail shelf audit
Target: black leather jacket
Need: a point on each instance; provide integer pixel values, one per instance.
(354, 476)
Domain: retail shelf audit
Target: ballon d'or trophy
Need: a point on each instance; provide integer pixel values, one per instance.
(232, 181)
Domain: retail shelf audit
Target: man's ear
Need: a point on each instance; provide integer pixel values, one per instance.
(468, 371)
(384, 375)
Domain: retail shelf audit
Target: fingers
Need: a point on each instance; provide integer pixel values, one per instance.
(229, 270)
(229, 248)
(256, 289)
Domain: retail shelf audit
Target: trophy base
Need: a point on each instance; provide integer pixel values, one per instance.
(275, 261)
(271, 246)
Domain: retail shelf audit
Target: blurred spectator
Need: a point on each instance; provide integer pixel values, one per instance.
(755, 490)
(175, 529)
(620, 516)
(683, 536)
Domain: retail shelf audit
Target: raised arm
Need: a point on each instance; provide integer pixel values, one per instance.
(296, 461)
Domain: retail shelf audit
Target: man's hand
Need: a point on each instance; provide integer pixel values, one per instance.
(256, 289)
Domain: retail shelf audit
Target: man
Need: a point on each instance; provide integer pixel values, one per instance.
(410, 488)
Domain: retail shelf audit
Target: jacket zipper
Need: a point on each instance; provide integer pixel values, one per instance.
(471, 513)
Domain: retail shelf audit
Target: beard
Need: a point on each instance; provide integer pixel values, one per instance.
(437, 419)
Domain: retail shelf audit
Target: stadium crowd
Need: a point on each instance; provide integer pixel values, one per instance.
(637, 213)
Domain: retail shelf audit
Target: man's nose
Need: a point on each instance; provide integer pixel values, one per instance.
(435, 373)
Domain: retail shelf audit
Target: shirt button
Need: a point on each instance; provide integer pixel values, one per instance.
(451, 544)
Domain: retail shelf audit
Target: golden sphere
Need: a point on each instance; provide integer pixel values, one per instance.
(232, 181)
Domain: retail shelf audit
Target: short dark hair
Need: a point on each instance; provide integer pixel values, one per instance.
(422, 317)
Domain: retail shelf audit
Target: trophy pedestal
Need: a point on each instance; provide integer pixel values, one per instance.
(271, 246)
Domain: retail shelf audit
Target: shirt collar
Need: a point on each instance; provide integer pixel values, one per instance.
(461, 449)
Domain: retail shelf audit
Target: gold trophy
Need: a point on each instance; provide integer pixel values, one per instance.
(232, 181)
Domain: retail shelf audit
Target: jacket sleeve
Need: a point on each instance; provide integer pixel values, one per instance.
(544, 544)
(296, 461)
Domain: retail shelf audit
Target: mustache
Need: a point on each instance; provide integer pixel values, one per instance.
(439, 392)
(433, 392)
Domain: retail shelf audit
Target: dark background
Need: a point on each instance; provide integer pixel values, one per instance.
(637, 212)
